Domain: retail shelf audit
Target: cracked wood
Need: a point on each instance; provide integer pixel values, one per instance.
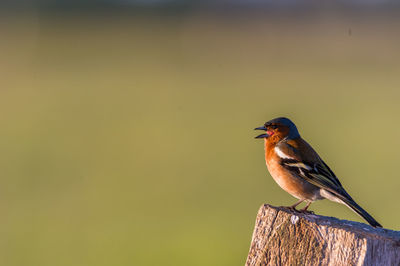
(283, 237)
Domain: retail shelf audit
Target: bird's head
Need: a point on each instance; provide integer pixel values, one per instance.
(278, 129)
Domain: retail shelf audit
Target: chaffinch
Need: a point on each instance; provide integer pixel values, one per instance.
(299, 170)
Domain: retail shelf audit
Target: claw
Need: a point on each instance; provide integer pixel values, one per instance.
(290, 208)
(306, 212)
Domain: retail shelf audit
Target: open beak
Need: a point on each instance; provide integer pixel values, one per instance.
(262, 135)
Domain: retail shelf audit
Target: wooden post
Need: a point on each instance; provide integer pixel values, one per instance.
(283, 237)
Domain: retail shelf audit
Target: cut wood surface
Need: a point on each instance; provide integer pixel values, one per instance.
(284, 237)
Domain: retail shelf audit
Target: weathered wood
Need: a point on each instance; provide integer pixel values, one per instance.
(283, 237)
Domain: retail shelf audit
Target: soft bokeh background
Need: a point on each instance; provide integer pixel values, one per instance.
(126, 129)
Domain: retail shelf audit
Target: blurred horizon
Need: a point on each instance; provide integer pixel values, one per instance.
(188, 5)
(127, 131)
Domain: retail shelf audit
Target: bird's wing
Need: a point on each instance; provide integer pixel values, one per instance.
(299, 158)
(304, 162)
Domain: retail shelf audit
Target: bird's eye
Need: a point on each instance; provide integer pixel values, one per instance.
(274, 126)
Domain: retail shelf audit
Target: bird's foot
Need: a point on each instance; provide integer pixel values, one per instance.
(290, 208)
(306, 212)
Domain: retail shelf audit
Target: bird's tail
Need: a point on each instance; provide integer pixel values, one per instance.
(360, 211)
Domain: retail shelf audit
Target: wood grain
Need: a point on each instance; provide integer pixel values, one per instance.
(283, 237)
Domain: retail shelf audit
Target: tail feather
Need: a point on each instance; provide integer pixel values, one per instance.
(360, 211)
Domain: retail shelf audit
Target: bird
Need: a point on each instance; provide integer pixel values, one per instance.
(300, 171)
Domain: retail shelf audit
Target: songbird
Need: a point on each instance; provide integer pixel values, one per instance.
(300, 171)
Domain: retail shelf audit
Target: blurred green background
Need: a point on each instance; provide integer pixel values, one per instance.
(127, 136)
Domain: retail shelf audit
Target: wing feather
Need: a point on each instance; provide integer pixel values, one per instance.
(317, 175)
(302, 160)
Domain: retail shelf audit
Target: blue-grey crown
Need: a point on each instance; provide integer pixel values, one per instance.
(293, 132)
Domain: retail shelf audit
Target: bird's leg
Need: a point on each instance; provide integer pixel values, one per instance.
(306, 207)
(293, 207)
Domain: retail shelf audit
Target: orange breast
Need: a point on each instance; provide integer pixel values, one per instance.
(294, 185)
